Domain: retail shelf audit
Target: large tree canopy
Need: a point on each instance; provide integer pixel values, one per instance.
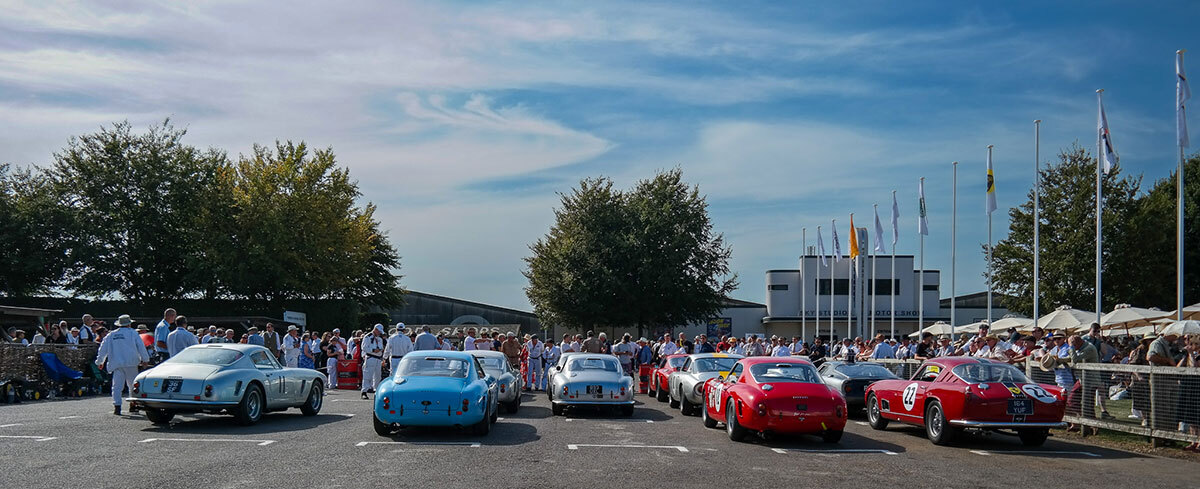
(33, 233)
(646, 257)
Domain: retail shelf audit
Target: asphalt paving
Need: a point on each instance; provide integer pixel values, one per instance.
(80, 443)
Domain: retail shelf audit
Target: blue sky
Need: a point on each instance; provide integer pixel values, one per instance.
(462, 120)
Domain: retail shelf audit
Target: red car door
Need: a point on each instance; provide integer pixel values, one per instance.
(909, 403)
(719, 394)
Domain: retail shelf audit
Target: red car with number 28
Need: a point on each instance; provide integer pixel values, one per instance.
(950, 394)
(774, 395)
(658, 376)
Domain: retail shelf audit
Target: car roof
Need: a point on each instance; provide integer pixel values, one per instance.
(487, 353)
(600, 355)
(951, 362)
(757, 360)
(458, 355)
(715, 355)
(244, 348)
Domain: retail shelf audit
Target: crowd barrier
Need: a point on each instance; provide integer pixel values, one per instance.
(19, 362)
(1151, 401)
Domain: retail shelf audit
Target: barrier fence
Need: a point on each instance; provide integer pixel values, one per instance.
(19, 362)
(1151, 401)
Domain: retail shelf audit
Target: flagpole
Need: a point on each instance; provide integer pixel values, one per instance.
(1099, 215)
(874, 253)
(803, 299)
(989, 256)
(953, 252)
(921, 280)
(818, 283)
(1037, 221)
(1182, 128)
(832, 261)
(850, 284)
(892, 277)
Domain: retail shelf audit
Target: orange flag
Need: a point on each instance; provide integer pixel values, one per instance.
(853, 239)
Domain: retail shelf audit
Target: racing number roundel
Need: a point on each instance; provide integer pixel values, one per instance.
(909, 397)
(1038, 392)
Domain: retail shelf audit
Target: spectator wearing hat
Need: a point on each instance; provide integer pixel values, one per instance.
(372, 350)
(19, 338)
(291, 347)
(121, 353)
(398, 345)
(254, 338)
(645, 354)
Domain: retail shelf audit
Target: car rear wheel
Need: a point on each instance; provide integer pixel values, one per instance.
(496, 413)
(484, 426)
(1033, 437)
(686, 407)
(513, 406)
(626, 411)
(709, 421)
(381, 428)
(874, 414)
(316, 396)
(662, 394)
(831, 436)
(250, 410)
(557, 409)
(937, 427)
(159, 416)
(652, 389)
(674, 403)
(735, 430)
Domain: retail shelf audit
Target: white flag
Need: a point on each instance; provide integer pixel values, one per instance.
(895, 221)
(991, 186)
(1182, 94)
(922, 220)
(1104, 139)
(837, 247)
(878, 232)
(821, 247)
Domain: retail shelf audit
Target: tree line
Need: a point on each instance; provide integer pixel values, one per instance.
(142, 215)
(1139, 249)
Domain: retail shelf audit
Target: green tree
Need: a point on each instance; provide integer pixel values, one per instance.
(33, 233)
(1153, 241)
(132, 199)
(1068, 239)
(647, 257)
(293, 230)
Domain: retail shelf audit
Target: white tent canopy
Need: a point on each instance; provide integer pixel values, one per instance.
(1126, 316)
(1023, 325)
(1066, 319)
(938, 328)
(1187, 326)
(972, 328)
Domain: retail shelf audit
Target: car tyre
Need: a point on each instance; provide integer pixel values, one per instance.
(831, 436)
(626, 411)
(662, 395)
(674, 403)
(495, 413)
(875, 415)
(652, 389)
(686, 407)
(513, 406)
(557, 409)
(316, 396)
(381, 428)
(159, 416)
(735, 430)
(1035, 437)
(709, 421)
(483, 427)
(937, 427)
(250, 409)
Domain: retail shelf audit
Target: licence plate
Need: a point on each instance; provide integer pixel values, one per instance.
(172, 385)
(1020, 406)
(595, 390)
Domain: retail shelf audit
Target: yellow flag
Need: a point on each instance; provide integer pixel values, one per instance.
(853, 239)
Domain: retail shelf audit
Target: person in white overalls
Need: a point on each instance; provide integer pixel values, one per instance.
(534, 373)
(398, 345)
(124, 351)
(372, 354)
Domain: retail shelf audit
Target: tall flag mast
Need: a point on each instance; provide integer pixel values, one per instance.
(1106, 158)
(991, 207)
(923, 230)
(1182, 93)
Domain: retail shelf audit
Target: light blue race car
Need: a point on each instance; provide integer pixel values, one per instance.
(437, 388)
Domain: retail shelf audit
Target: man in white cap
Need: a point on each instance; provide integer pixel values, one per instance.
(534, 374)
(469, 343)
(398, 345)
(372, 352)
(123, 351)
(291, 347)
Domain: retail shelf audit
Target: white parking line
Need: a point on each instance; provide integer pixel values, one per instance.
(348, 415)
(835, 451)
(471, 444)
(34, 438)
(9, 425)
(671, 447)
(612, 420)
(69, 417)
(1033, 452)
(350, 400)
(861, 423)
(261, 443)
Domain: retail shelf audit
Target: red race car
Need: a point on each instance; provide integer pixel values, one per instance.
(948, 395)
(774, 395)
(658, 376)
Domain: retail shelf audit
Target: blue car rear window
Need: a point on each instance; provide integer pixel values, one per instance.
(432, 367)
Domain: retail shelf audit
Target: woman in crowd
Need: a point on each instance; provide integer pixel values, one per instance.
(306, 356)
(57, 335)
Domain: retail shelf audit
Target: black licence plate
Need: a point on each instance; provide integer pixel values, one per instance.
(172, 385)
(1020, 406)
(595, 390)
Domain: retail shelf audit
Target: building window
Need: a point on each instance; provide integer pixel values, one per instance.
(931, 287)
(778, 287)
(885, 287)
(841, 286)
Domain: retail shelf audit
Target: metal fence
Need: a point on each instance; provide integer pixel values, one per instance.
(1157, 402)
(19, 362)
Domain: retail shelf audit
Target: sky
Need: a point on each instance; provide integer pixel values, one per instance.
(464, 120)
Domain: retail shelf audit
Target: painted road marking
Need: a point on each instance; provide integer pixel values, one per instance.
(9, 425)
(612, 420)
(34, 438)
(1033, 452)
(671, 447)
(861, 423)
(69, 417)
(835, 451)
(261, 443)
(348, 415)
(350, 400)
(471, 444)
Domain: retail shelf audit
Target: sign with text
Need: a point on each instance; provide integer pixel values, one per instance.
(297, 318)
(718, 327)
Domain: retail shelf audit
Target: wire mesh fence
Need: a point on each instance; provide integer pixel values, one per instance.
(1157, 402)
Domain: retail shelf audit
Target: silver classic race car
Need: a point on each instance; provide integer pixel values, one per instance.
(590, 379)
(508, 380)
(242, 380)
(686, 385)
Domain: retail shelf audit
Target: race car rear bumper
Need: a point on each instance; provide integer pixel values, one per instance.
(573, 402)
(1006, 425)
(180, 404)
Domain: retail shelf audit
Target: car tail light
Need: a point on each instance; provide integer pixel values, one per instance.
(846, 387)
(698, 389)
(622, 390)
(136, 387)
(502, 386)
(387, 403)
(839, 411)
(208, 391)
(466, 404)
(564, 390)
(762, 409)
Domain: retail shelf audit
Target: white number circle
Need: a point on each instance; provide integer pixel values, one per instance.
(1038, 392)
(910, 396)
